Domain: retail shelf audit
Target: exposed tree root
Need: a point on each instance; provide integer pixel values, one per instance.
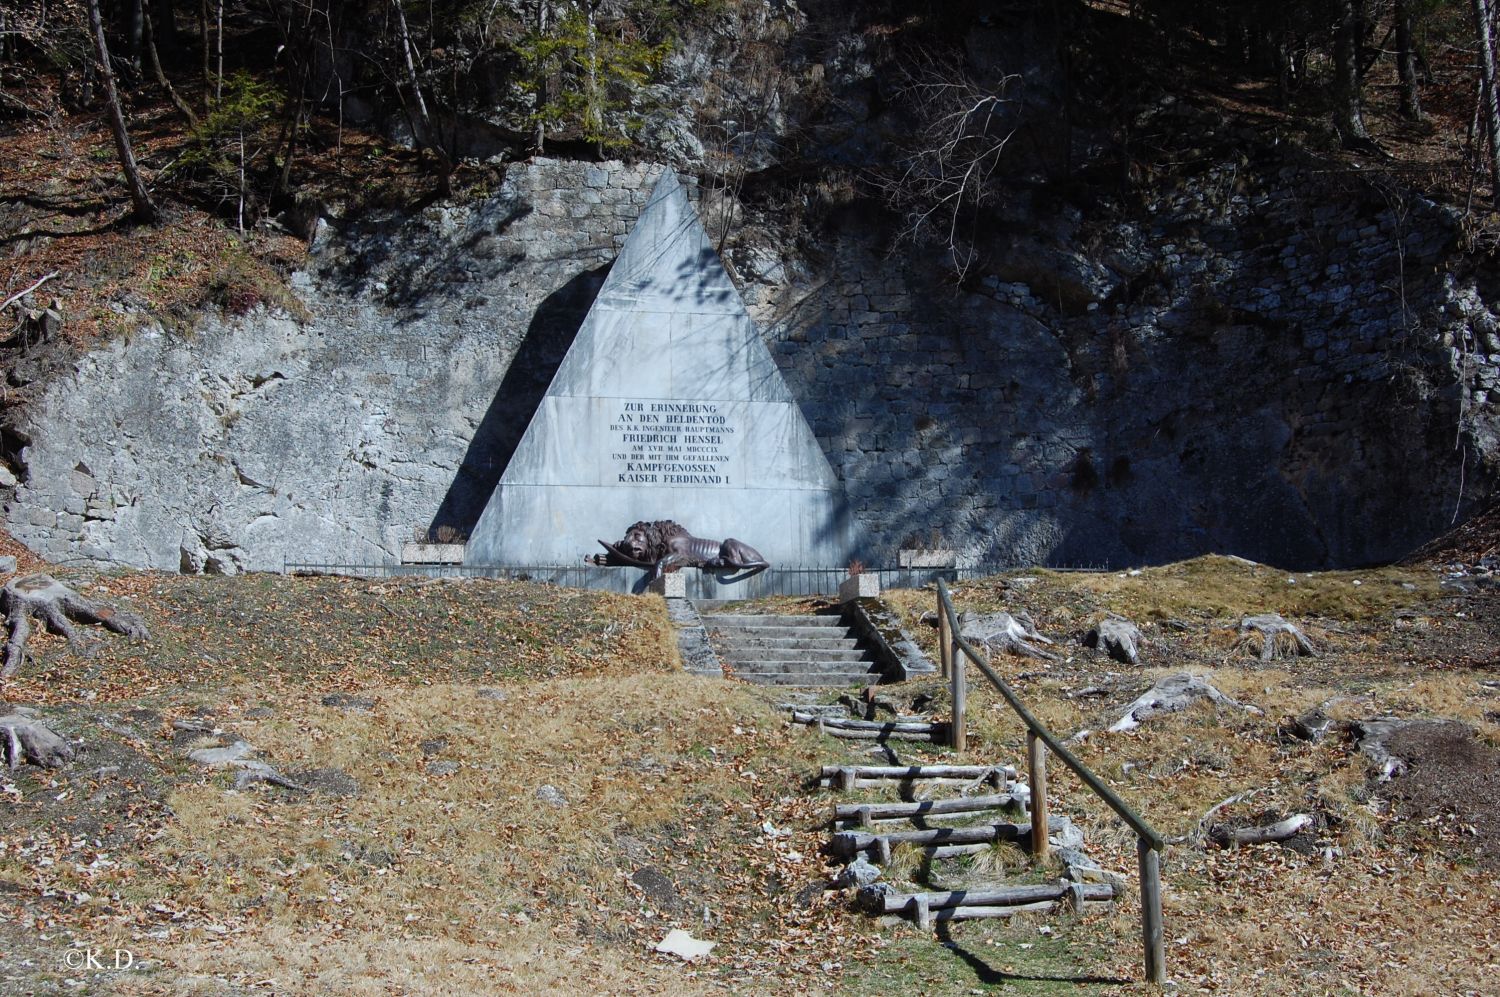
(58, 607)
(1007, 633)
(1170, 694)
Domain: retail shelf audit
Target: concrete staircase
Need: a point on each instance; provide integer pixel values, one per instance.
(788, 650)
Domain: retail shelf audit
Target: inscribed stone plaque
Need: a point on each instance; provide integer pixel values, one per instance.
(667, 406)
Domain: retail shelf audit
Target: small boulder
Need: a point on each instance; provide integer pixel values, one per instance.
(859, 873)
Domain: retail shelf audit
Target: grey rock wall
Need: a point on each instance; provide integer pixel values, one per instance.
(1266, 367)
(262, 440)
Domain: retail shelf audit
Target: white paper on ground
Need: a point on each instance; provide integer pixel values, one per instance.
(684, 945)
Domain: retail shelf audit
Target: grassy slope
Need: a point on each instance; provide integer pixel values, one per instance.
(468, 882)
(419, 881)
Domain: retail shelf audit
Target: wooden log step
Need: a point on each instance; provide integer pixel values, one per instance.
(887, 783)
(967, 772)
(932, 737)
(868, 816)
(840, 711)
(848, 723)
(878, 898)
(847, 844)
(975, 913)
(923, 808)
(934, 820)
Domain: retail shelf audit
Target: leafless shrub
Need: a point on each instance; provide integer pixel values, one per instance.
(944, 175)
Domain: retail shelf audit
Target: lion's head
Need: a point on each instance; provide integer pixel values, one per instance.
(650, 541)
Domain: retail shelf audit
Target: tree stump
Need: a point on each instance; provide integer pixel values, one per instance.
(1170, 694)
(23, 739)
(1004, 632)
(58, 607)
(1278, 638)
(1117, 637)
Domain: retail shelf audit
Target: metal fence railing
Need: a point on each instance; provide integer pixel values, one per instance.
(789, 581)
(953, 649)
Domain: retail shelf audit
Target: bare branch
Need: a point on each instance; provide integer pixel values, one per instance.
(945, 174)
(21, 294)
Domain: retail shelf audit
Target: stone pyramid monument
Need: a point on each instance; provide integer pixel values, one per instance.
(667, 406)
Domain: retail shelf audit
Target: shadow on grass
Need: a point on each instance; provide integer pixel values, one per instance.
(985, 973)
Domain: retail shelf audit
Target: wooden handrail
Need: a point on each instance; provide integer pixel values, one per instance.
(1035, 726)
(1150, 843)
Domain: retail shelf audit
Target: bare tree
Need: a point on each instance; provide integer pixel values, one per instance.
(153, 56)
(423, 120)
(1348, 117)
(944, 176)
(145, 208)
(1490, 107)
(1406, 61)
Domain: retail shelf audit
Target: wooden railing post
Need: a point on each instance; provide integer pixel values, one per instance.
(960, 702)
(945, 642)
(1036, 775)
(1151, 931)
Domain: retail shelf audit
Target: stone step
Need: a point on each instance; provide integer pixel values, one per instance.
(769, 620)
(778, 633)
(849, 656)
(840, 678)
(796, 664)
(784, 646)
(792, 651)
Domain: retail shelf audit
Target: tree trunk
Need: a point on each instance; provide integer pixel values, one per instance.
(204, 43)
(165, 28)
(428, 135)
(1406, 63)
(145, 208)
(540, 104)
(135, 17)
(1490, 108)
(1347, 118)
(154, 58)
(219, 52)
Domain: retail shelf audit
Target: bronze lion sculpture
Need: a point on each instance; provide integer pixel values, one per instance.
(663, 546)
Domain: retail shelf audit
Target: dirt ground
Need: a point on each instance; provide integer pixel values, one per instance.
(515, 788)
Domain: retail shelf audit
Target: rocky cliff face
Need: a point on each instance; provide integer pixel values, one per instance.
(390, 408)
(1268, 368)
(1258, 365)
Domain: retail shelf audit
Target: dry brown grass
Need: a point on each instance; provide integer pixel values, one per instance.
(468, 882)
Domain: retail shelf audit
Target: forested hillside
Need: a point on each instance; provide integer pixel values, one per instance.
(259, 115)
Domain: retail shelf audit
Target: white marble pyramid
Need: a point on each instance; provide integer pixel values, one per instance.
(668, 405)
